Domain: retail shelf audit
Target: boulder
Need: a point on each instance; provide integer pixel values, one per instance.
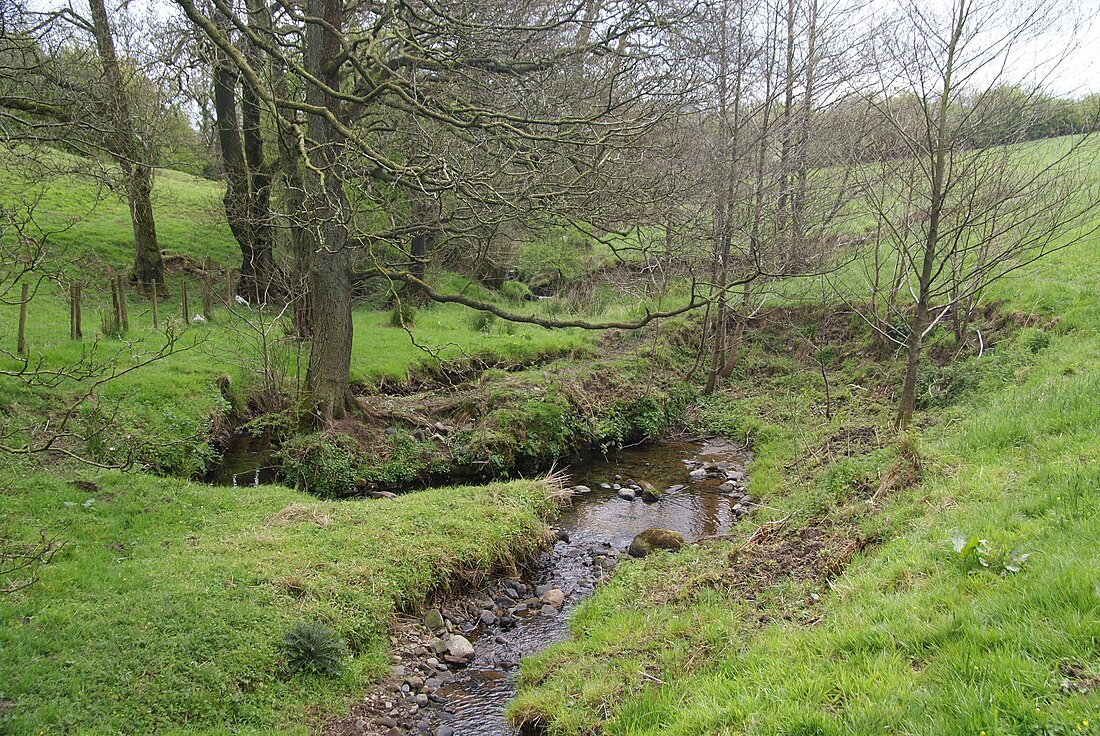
(698, 474)
(649, 493)
(460, 647)
(652, 539)
(626, 494)
(554, 597)
(433, 619)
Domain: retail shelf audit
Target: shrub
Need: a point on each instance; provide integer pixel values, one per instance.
(322, 463)
(312, 647)
(482, 321)
(515, 291)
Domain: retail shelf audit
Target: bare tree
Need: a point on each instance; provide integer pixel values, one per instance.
(954, 218)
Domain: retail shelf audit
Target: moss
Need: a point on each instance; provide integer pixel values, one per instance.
(653, 539)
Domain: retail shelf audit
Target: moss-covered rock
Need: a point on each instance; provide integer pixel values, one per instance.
(652, 539)
(649, 493)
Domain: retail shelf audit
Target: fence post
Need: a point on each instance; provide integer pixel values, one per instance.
(122, 313)
(207, 296)
(79, 317)
(117, 322)
(21, 343)
(184, 311)
(72, 310)
(156, 321)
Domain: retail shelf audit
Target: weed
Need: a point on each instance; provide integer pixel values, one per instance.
(313, 648)
(325, 464)
(994, 556)
(482, 321)
(516, 291)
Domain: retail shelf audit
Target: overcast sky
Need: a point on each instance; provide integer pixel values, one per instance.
(1077, 72)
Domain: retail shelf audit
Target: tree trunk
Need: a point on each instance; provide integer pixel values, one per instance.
(328, 374)
(421, 216)
(247, 197)
(148, 265)
(257, 277)
(936, 197)
(127, 150)
(912, 364)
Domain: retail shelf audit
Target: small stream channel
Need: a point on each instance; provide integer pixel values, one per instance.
(702, 486)
(702, 494)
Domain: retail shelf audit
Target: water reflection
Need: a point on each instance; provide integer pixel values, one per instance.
(696, 508)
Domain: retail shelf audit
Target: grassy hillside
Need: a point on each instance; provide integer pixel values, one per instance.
(166, 609)
(90, 226)
(841, 607)
(845, 608)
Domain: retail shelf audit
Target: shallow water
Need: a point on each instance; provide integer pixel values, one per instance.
(600, 526)
(245, 461)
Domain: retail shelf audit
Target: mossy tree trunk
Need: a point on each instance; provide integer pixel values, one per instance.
(127, 149)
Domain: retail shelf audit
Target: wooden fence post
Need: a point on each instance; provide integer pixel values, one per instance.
(230, 292)
(78, 316)
(21, 343)
(72, 310)
(122, 313)
(116, 324)
(184, 311)
(207, 295)
(156, 322)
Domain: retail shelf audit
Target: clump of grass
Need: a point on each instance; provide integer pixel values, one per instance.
(515, 291)
(313, 648)
(483, 321)
(403, 315)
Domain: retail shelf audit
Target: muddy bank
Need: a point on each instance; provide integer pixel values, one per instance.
(454, 669)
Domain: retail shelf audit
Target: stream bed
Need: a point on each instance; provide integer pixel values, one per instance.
(454, 672)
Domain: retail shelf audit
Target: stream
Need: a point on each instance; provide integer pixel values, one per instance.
(435, 692)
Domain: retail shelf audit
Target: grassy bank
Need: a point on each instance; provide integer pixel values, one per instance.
(165, 610)
(844, 607)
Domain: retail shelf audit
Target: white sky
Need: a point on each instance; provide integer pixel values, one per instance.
(1077, 73)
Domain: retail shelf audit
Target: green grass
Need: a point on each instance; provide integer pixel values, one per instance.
(908, 638)
(90, 226)
(165, 610)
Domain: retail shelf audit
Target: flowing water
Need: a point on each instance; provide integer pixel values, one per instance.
(598, 525)
(701, 494)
